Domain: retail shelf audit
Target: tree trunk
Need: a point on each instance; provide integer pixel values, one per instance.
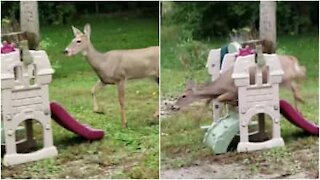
(96, 4)
(29, 20)
(267, 29)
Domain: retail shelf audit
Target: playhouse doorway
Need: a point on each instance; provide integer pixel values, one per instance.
(254, 128)
(29, 136)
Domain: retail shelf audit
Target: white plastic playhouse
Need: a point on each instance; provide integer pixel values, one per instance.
(257, 95)
(25, 98)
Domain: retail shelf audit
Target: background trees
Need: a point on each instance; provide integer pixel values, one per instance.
(202, 19)
(56, 12)
(207, 19)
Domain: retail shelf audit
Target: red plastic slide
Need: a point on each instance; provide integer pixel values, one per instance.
(63, 118)
(295, 118)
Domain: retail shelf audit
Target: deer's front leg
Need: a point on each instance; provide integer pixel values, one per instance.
(97, 87)
(156, 113)
(121, 96)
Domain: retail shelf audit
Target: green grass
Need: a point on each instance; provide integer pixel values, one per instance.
(181, 140)
(122, 153)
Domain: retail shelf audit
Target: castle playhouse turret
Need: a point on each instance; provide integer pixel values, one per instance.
(258, 96)
(24, 97)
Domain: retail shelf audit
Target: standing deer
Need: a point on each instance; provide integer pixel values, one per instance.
(116, 66)
(224, 90)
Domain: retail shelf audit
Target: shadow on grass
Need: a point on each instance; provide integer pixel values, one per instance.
(74, 141)
(294, 135)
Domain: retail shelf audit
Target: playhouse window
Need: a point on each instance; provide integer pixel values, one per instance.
(17, 72)
(252, 75)
(265, 75)
(32, 80)
(34, 70)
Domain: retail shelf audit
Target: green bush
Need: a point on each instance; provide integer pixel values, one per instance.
(192, 54)
(187, 52)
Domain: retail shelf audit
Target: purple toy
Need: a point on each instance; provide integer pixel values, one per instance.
(246, 51)
(7, 48)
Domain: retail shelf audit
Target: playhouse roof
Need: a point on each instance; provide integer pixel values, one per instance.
(10, 60)
(242, 64)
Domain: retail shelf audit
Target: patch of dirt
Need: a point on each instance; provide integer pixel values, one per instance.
(296, 164)
(94, 170)
(204, 170)
(209, 170)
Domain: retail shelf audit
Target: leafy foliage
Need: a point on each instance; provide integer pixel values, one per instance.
(193, 54)
(207, 19)
(53, 13)
(188, 53)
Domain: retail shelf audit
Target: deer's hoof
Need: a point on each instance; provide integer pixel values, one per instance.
(125, 125)
(175, 108)
(156, 115)
(98, 111)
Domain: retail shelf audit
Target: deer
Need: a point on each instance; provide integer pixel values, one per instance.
(115, 67)
(224, 90)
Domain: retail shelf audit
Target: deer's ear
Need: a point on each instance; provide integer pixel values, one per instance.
(76, 31)
(190, 84)
(87, 30)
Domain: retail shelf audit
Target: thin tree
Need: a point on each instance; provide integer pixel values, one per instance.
(29, 20)
(267, 28)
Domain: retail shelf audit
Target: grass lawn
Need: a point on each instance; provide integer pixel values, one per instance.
(181, 136)
(122, 153)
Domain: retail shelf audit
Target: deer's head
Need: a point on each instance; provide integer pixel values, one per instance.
(80, 42)
(186, 98)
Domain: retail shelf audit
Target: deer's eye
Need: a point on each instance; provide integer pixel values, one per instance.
(184, 96)
(78, 41)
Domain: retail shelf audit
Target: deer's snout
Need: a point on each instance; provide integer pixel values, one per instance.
(67, 52)
(175, 108)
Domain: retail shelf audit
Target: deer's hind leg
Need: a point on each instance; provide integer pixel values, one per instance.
(156, 113)
(296, 94)
(226, 97)
(97, 87)
(121, 96)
